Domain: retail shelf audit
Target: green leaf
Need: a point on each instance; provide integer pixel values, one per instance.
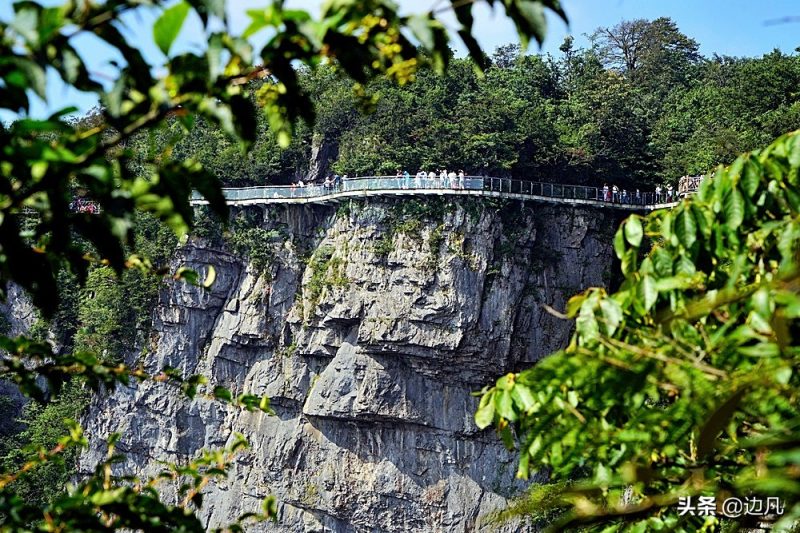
(586, 323)
(168, 26)
(524, 462)
(432, 36)
(529, 18)
(734, 209)
(221, 393)
(612, 315)
(686, 228)
(264, 405)
(662, 262)
(634, 231)
(504, 405)
(506, 382)
(26, 20)
(463, 11)
(485, 415)
(751, 176)
(648, 292)
(522, 396)
(420, 26)
(35, 75)
(619, 243)
(188, 275)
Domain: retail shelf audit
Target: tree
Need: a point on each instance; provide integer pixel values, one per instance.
(683, 382)
(46, 165)
(654, 53)
(732, 106)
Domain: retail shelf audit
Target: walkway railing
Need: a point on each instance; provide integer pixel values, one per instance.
(471, 185)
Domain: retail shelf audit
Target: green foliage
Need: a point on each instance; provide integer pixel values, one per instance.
(100, 315)
(45, 425)
(325, 269)
(683, 381)
(252, 242)
(384, 246)
(407, 217)
(104, 502)
(168, 26)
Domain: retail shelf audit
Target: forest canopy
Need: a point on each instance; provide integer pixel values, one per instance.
(588, 115)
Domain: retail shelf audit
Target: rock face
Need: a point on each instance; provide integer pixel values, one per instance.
(369, 331)
(18, 315)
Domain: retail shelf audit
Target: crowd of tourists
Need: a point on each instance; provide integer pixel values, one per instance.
(331, 182)
(421, 180)
(622, 196)
(449, 179)
(82, 205)
(441, 179)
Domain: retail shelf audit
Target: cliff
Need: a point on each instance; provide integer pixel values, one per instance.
(369, 324)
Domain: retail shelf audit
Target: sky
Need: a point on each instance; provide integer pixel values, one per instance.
(725, 27)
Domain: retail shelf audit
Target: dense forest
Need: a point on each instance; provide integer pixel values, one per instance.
(639, 106)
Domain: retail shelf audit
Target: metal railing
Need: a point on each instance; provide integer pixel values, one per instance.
(689, 184)
(415, 185)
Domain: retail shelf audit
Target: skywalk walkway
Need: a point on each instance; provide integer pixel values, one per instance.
(487, 187)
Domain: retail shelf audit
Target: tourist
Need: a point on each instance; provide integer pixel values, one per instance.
(431, 177)
(452, 177)
(461, 177)
(328, 183)
(406, 177)
(624, 196)
(615, 190)
(442, 176)
(638, 197)
(606, 198)
(669, 192)
(658, 194)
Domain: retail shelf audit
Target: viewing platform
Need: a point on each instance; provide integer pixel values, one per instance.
(487, 187)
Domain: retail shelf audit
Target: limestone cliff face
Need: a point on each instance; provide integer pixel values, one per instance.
(18, 315)
(369, 334)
